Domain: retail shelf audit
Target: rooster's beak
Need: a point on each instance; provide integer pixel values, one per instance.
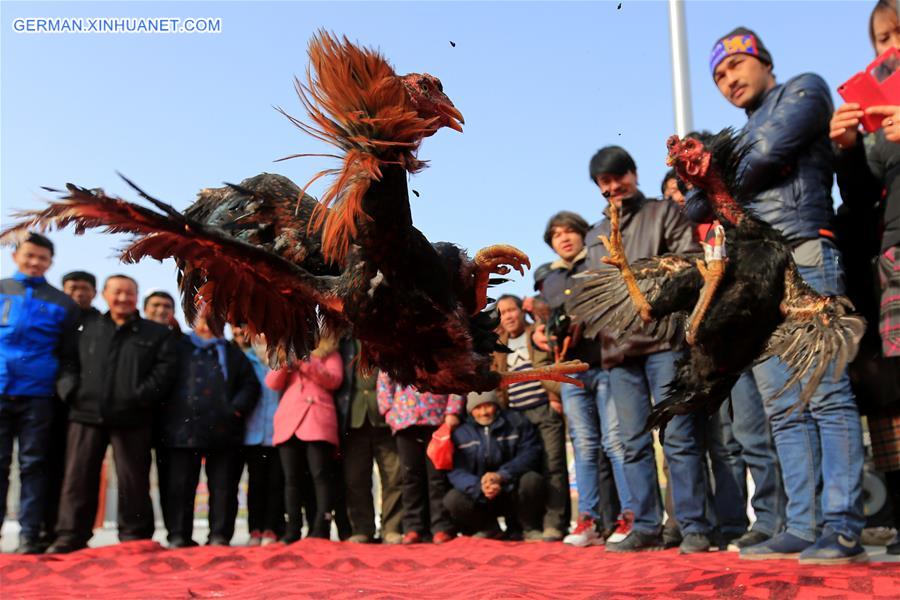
(454, 119)
(670, 161)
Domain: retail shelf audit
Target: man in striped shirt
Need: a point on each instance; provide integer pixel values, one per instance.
(539, 402)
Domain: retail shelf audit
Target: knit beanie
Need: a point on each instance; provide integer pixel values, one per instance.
(477, 398)
(739, 41)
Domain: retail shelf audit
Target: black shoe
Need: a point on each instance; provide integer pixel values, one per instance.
(30, 546)
(64, 547)
(671, 537)
(290, 538)
(751, 538)
(180, 542)
(637, 541)
(894, 547)
(694, 543)
(218, 540)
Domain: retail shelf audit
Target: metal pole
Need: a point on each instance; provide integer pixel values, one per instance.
(681, 79)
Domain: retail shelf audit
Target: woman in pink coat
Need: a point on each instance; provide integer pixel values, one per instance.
(306, 433)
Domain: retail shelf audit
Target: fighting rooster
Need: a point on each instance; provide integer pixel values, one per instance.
(265, 254)
(742, 305)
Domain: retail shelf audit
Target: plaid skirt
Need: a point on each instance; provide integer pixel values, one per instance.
(885, 426)
(889, 322)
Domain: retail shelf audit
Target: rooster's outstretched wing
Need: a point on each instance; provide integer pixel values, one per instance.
(241, 282)
(818, 333)
(600, 300)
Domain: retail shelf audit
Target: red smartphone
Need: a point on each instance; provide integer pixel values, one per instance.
(878, 85)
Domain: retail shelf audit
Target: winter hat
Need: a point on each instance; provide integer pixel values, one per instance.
(740, 41)
(477, 398)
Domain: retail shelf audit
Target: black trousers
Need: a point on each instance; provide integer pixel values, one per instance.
(85, 449)
(521, 507)
(423, 486)
(265, 490)
(223, 468)
(318, 457)
(56, 467)
(552, 429)
(363, 446)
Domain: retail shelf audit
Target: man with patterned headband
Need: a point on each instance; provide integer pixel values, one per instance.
(788, 173)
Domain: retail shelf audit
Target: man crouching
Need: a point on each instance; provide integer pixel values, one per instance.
(496, 457)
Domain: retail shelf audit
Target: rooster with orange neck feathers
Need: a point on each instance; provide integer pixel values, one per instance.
(265, 254)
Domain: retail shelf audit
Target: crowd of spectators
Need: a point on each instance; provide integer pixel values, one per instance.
(74, 381)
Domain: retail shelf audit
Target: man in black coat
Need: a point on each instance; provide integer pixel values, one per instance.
(204, 418)
(125, 366)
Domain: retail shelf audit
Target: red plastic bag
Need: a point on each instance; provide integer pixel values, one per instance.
(440, 448)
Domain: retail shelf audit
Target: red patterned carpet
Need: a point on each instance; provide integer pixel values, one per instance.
(465, 568)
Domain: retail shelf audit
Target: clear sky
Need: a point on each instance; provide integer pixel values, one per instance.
(542, 86)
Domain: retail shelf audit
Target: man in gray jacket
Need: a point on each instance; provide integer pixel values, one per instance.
(642, 366)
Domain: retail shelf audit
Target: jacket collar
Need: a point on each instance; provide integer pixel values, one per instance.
(762, 100)
(504, 336)
(132, 322)
(629, 205)
(29, 281)
(560, 263)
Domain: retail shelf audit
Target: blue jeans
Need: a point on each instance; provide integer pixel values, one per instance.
(28, 418)
(741, 443)
(636, 383)
(599, 453)
(822, 442)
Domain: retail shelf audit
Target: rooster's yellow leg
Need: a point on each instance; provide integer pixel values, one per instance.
(496, 259)
(712, 271)
(617, 258)
(557, 372)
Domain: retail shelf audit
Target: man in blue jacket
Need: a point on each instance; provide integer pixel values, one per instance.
(788, 173)
(496, 459)
(37, 327)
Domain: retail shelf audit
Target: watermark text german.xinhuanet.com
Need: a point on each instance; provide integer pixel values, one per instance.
(117, 25)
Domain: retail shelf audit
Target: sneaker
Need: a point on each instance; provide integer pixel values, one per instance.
(180, 542)
(30, 546)
(268, 537)
(751, 538)
(412, 537)
(393, 537)
(694, 543)
(585, 534)
(360, 538)
(894, 547)
(534, 535)
(834, 549)
(637, 541)
(217, 540)
(671, 537)
(622, 528)
(783, 545)
(290, 537)
(552, 534)
(442, 537)
(488, 534)
(255, 538)
(64, 547)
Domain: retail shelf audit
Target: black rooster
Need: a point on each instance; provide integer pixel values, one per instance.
(265, 254)
(744, 307)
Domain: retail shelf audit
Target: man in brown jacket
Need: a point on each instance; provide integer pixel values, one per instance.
(540, 403)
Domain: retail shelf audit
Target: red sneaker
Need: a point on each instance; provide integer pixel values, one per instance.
(623, 527)
(442, 537)
(585, 533)
(412, 537)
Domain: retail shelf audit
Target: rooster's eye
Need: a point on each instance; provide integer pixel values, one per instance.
(423, 86)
